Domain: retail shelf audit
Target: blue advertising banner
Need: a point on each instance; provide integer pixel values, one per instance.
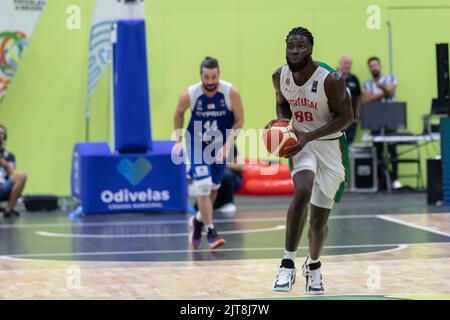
(105, 182)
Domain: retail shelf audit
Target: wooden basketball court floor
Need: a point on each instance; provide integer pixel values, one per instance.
(379, 247)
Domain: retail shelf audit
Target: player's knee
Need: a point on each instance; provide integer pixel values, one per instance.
(20, 177)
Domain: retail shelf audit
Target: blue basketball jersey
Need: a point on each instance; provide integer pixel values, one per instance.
(211, 117)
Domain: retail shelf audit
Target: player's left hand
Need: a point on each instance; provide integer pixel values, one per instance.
(302, 140)
(221, 156)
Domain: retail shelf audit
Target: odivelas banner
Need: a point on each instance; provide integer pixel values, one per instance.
(18, 19)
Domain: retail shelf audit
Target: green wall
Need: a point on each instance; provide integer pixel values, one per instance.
(44, 109)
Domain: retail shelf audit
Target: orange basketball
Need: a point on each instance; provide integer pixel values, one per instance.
(278, 137)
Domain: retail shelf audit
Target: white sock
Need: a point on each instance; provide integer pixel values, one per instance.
(209, 226)
(309, 261)
(289, 255)
(198, 216)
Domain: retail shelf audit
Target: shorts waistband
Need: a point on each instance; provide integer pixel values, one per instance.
(337, 138)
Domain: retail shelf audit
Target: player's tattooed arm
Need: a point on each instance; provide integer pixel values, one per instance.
(283, 109)
(340, 105)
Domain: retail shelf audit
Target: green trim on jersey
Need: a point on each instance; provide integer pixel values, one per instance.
(291, 164)
(343, 146)
(327, 67)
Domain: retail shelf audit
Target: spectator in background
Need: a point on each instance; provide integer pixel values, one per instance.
(12, 182)
(381, 88)
(352, 82)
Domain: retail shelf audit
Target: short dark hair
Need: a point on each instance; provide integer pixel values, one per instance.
(372, 59)
(300, 31)
(209, 63)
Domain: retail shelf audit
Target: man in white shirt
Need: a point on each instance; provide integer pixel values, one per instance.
(381, 88)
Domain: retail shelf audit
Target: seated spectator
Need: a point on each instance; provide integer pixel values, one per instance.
(12, 182)
(381, 88)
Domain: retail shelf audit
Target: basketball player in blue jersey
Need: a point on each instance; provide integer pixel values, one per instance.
(314, 96)
(216, 117)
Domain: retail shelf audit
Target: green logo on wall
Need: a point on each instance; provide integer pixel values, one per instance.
(12, 46)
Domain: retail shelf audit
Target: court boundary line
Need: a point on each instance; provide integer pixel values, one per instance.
(184, 221)
(148, 235)
(149, 264)
(286, 297)
(398, 246)
(413, 225)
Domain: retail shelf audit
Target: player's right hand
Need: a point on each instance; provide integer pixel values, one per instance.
(267, 126)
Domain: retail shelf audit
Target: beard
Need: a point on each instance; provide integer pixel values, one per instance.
(299, 66)
(375, 74)
(211, 87)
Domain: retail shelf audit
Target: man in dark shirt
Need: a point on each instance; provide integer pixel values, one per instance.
(12, 182)
(345, 66)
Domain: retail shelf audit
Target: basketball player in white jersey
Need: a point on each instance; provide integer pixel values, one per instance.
(314, 96)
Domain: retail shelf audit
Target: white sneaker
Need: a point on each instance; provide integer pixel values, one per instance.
(314, 284)
(285, 277)
(228, 208)
(397, 184)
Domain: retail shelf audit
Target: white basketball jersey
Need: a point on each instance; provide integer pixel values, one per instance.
(309, 103)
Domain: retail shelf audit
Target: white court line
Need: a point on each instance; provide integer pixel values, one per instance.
(165, 222)
(399, 247)
(413, 225)
(113, 253)
(402, 296)
(147, 235)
